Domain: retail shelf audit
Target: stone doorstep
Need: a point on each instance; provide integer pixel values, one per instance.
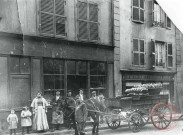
(88, 128)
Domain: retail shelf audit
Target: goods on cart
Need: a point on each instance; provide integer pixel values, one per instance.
(137, 91)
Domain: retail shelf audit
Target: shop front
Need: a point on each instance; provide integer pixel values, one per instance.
(135, 78)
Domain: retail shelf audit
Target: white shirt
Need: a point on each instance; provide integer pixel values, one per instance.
(57, 97)
(81, 96)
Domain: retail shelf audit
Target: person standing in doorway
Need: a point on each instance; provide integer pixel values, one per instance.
(39, 105)
(12, 120)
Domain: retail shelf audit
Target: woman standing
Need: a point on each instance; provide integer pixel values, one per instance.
(39, 105)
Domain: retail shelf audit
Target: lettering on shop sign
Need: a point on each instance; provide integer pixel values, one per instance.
(148, 77)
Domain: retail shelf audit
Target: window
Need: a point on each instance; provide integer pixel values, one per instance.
(159, 16)
(19, 65)
(169, 55)
(97, 77)
(88, 25)
(138, 52)
(53, 75)
(52, 17)
(160, 54)
(138, 11)
(168, 22)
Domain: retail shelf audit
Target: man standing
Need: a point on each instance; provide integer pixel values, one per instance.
(81, 95)
(80, 115)
(57, 115)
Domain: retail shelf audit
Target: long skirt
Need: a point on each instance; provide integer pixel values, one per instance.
(40, 120)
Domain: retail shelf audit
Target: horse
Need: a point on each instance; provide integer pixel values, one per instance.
(94, 108)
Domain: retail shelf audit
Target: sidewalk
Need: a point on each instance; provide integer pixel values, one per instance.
(88, 129)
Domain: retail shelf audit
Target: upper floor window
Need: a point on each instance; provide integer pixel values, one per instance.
(162, 54)
(159, 15)
(168, 22)
(138, 52)
(138, 10)
(52, 17)
(88, 24)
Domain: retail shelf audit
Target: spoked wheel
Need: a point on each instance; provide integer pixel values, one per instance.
(161, 116)
(135, 122)
(145, 118)
(113, 121)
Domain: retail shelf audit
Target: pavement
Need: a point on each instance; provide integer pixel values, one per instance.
(123, 129)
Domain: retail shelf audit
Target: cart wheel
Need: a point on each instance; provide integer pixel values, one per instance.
(113, 121)
(135, 122)
(161, 116)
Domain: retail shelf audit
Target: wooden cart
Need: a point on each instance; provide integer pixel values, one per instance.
(137, 110)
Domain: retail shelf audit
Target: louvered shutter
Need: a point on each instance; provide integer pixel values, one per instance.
(60, 17)
(136, 58)
(142, 54)
(168, 22)
(93, 18)
(142, 10)
(135, 9)
(46, 17)
(82, 21)
(169, 55)
(153, 54)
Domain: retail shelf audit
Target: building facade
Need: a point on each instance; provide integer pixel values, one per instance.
(147, 45)
(50, 45)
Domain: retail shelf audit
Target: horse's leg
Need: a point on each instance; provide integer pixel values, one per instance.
(97, 122)
(74, 124)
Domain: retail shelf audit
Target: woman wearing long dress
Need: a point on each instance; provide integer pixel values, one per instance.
(39, 105)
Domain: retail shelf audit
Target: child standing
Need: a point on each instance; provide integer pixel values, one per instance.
(26, 121)
(12, 119)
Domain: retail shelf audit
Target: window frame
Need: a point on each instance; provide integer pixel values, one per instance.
(54, 15)
(139, 52)
(88, 21)
(139, 9)
(167, 23)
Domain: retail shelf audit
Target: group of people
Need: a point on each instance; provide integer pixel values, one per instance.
(39, 110)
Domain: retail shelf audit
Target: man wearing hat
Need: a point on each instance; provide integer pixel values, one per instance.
(80, 115)
(57, 115)
(81, 95)
(94, 96)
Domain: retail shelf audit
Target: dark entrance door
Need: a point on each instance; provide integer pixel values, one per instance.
(20, 91)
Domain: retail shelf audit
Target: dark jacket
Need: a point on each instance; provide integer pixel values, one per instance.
(55, 102)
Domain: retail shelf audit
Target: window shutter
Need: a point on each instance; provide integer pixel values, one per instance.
(142, 53)
(142, 10)
(169, 55)
(136, 58)
(168, 22)
(152, 54)
(46, 20)
(82, 21)
(135, 9)
(93, 12)
(59, 7)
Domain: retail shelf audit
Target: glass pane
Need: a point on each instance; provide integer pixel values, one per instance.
(97, 68)
(170, 61)
(47, 23)
(141, 15)
(14, 65)
(136, 14)
(82, 10)
(49, 82)
(71, 67)
(59, 7)
(83, 30)
(141, 45)
(75, 82)
(97, 82)
(82, 67)
(136, 3)
(59, 66)
(47, 6)
(93, 12)
(24, 65)
(93, 31)
(142, 4)
(141, 59)
(136, 59)
(59, 82)
(48, 67)
(170, 49)
(60, 25)
(135, 45)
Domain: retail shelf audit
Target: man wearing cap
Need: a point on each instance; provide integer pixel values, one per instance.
(81, 95)
(94, 96)
(80, 115)
(57, 115)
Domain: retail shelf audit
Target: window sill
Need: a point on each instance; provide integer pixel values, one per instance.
(158, 24)
(137, 21)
